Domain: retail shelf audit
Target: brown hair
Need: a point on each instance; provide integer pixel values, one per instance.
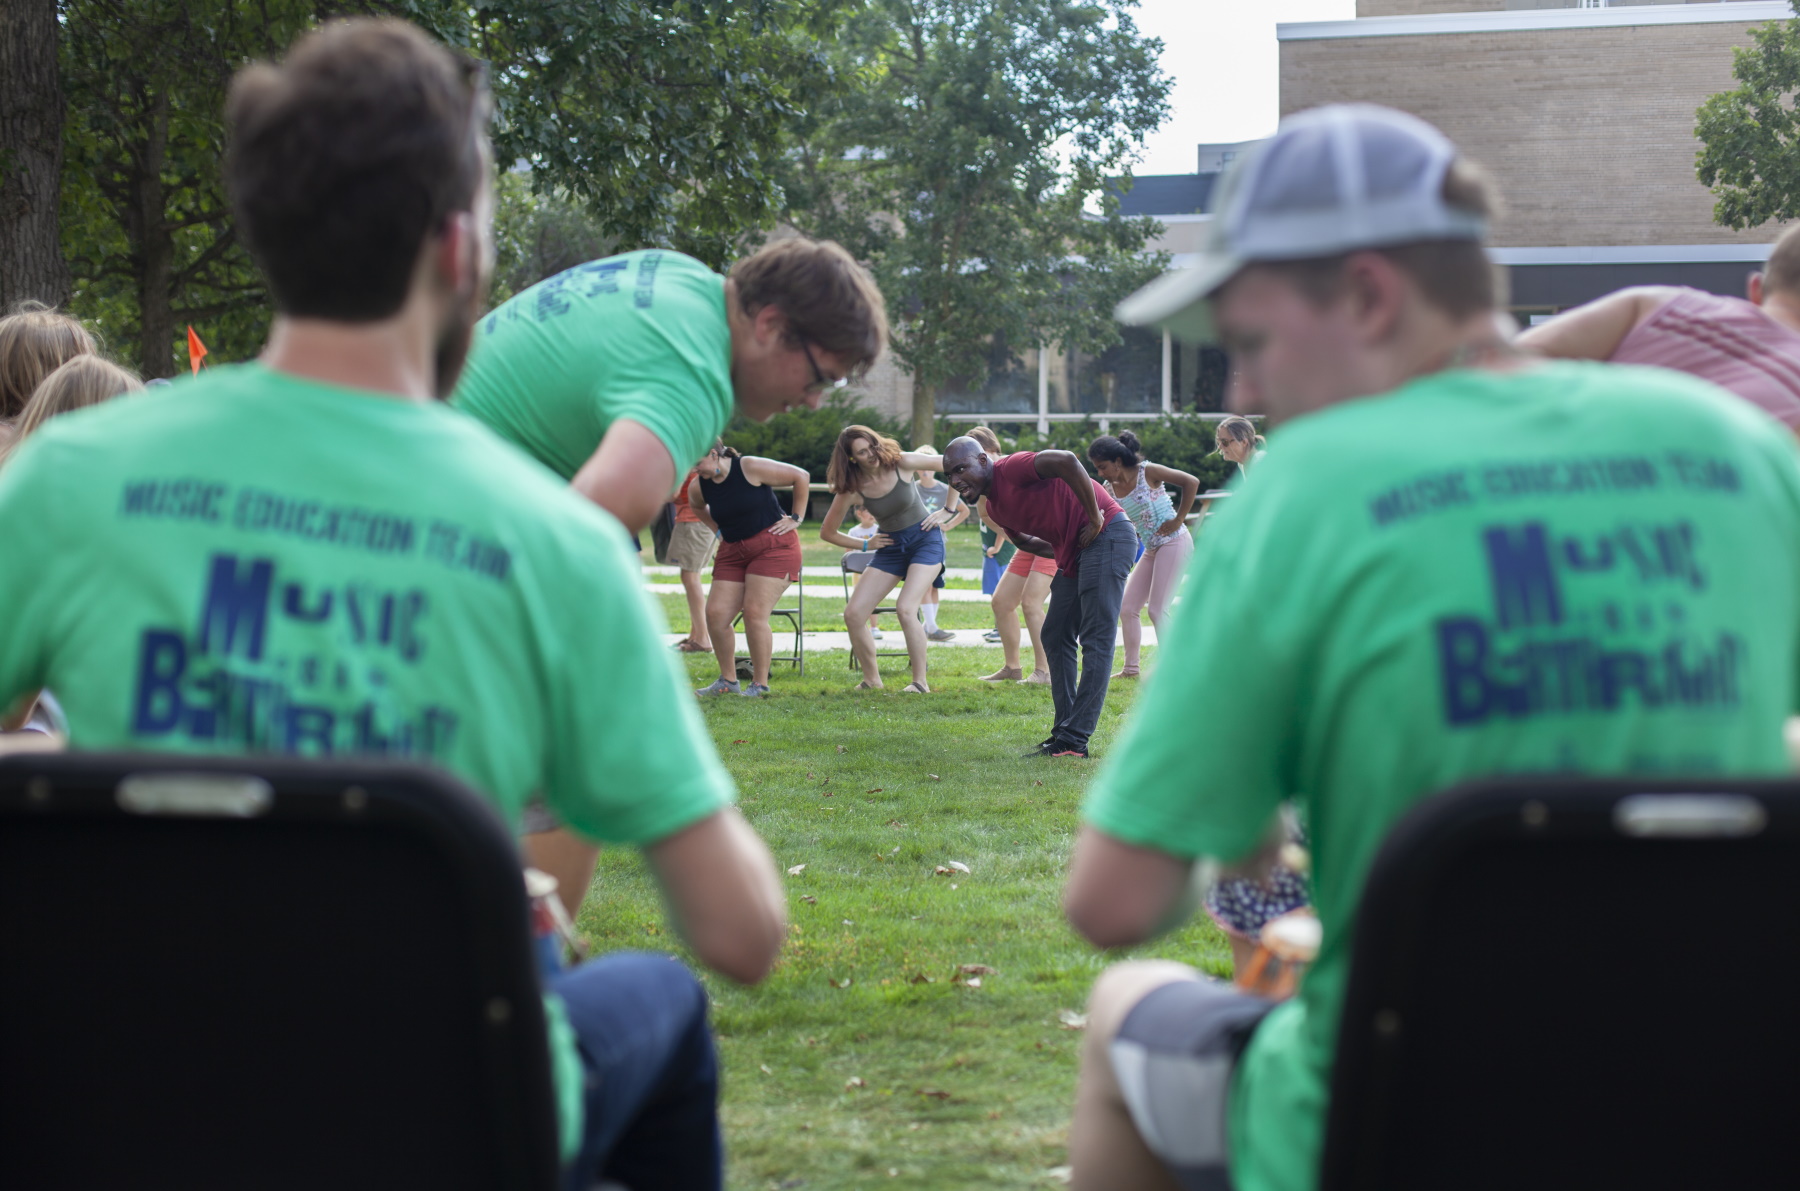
(35, 340)
(343, 159)
(79, 382)
(844, 473)
(1782, 273)
(828, 298)
(1456, 276)
(990, 442)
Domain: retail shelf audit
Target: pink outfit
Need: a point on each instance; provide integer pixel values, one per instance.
(1728, 341)
(1152, 582)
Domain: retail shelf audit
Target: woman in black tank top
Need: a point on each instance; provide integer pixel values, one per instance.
(760, 556)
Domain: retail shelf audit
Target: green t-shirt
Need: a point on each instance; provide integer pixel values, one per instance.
(1578, 567)
(641, 336)
(251, 562)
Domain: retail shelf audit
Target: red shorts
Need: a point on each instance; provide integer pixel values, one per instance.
(1030, 564)
(774, 555)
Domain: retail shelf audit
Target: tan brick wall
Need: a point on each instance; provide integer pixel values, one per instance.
(1589, 132)
(1413, 8)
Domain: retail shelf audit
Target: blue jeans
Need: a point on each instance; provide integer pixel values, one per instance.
(1083, 620)
(652, 1097)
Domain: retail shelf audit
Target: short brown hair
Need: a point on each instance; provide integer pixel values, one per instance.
(35, 340)
(1456, 276)
(990, 442)
(828, 298)
(79, 382)
(844, 473)
(1782, 274)
(344, 158)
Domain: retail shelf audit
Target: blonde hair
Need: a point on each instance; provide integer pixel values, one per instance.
(76, 384)
(990, 442)
(35, 340)
(1237, 428)
(844, 473)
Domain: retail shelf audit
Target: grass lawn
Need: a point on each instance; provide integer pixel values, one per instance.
(961, 1085)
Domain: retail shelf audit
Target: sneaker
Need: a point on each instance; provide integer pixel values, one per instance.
(992, 635)
(755, 690)
(1043, 748)
(875, 633)
(1063, 749)
(941, 635)
(720, 686)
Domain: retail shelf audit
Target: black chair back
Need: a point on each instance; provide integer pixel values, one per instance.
(272, 974)
(1575, 984)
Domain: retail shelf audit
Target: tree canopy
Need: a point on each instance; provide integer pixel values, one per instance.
(663, 121)
(1750, 154)
(967, 162)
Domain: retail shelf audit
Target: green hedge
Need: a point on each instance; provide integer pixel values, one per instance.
(805, 437)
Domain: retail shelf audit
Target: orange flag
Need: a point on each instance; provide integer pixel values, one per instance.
(196, 350)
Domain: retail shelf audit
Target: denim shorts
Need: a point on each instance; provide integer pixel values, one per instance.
(908, 547)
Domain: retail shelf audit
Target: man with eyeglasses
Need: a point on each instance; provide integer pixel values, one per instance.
(617, 374)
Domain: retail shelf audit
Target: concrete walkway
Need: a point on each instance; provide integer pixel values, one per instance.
(835, 591)
(967, 574)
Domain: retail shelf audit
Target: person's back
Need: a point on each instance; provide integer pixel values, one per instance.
(1731, 342)
(641, 336)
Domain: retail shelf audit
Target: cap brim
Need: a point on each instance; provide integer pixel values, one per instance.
(1177, 301)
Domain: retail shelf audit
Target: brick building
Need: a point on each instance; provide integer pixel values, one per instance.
(1583, 113)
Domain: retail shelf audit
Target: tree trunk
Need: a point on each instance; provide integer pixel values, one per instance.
(924, 414)
(153, 249)
(31, 117)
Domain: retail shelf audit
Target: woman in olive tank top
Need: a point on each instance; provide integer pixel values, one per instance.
(868, 466)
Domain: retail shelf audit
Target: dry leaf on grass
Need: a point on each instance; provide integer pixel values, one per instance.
(844, 983)
(953, 884)
(796, 870)
(876, 790)
(959, 866)
(934, 777)
(767, 1070)
(828, 793)
(809, 899)
(922, 978)
(940, 871)
(855, 1081)
(935, 1093)
(1072, 1020)
(842, 749)
(809, 776)
(847, 922)
(977, 970)
(740, 742)
(972, 982)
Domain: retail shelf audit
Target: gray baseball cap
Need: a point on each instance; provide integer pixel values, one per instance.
(1331, 180)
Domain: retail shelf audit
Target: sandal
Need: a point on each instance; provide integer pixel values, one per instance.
(915, 688)
(689, 645)
(865, 685)
(1127, 672)
(1004, 674)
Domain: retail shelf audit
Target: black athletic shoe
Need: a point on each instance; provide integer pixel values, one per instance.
(1044, 748)
(1065, 749)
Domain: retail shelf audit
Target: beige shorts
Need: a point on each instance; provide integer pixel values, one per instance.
(691, 546)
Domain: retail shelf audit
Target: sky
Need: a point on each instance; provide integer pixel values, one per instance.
(1222, 56)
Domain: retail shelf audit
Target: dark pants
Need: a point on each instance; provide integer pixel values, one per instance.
(652, 1094)
(1084, 618)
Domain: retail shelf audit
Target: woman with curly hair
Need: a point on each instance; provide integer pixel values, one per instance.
(868, 466)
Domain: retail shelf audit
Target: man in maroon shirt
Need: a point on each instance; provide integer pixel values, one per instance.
(1048, 504)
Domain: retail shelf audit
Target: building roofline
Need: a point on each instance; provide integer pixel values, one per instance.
(1634, 254)
(1747, 12)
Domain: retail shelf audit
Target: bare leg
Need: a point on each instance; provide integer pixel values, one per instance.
(568, 859)
(1037, 590)
(696, 601)
(1241, 951)
(1171, 565)
(871, 588)
(1006, 615)
(1105, 1150)
(723, 603)
(1131, 607)
(761, 593)
(918, 581)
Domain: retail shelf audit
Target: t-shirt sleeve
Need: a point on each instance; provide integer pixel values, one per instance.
(1198, 770)
(630, 758)
(25, 581)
